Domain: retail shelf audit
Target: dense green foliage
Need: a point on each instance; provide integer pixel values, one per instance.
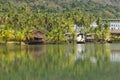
(54, 18)
(97, 7)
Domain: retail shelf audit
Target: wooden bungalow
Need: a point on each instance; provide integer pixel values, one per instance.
(89, 38)
(38, 37)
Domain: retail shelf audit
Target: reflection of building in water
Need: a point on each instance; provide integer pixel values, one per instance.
(115, 52)
(82, 55)
(37, 50)
(80, 50)
(115, 55)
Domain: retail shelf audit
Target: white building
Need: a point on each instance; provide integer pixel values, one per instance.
(114, 25)
(78, 29)
(94, 24)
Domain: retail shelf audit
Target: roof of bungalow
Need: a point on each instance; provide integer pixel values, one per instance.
(115, 31)
(37, 33)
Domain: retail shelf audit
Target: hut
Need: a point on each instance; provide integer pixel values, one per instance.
(89, 37)
(38, 37)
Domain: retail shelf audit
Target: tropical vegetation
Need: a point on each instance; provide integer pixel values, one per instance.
(17, 20)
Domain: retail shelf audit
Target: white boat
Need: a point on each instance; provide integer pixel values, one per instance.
(80, 38)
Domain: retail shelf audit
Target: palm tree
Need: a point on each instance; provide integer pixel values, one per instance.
(20, 36)
(7, 34)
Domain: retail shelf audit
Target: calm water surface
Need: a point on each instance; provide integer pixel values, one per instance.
(60, 62)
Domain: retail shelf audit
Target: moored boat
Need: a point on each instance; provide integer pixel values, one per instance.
(80, 38)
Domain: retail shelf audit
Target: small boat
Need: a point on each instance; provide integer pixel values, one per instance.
(108, 40)
(80, 38)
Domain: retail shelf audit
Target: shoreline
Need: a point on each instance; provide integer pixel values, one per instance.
(23, 43)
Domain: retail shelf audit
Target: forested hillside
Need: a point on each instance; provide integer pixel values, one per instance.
(109, 2)
(103, 8)
(54, 18)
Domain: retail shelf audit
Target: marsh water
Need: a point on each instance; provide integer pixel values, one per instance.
(60, 62)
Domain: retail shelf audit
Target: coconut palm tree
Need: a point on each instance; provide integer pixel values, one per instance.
(7, 34)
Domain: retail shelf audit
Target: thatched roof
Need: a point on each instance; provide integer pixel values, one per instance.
(37, 33)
